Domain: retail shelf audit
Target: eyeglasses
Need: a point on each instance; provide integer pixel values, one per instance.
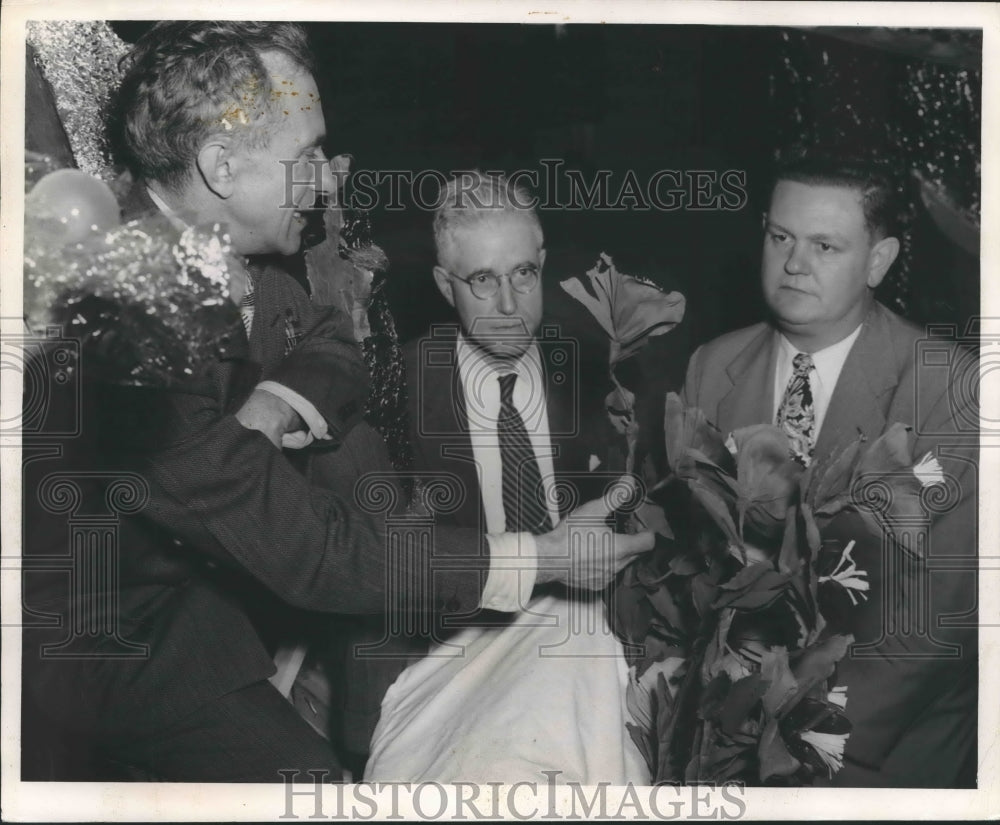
(484, 285)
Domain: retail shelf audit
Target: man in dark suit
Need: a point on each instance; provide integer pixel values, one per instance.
(223, 124)
(829, 365)
(465, 384)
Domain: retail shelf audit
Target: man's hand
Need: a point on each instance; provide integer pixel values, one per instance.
(271, 415)
(583, 551)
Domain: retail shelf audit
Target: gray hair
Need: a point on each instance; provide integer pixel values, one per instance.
(183, 76)
(472, 198)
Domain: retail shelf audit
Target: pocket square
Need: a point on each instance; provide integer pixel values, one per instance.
(594, 463)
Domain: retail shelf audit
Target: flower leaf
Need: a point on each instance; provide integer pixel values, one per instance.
(741, 699)
(815, 664)
(747, 577)
(767, 479)
(773, 755)
(716, 507)
(781, 683)
(643, 742)
(620, 404)
(828, 488)
(890, 452)
(665, 604)
(632, 610)
(650, 516)
(703, 593)
(714, 696)
(689, 435)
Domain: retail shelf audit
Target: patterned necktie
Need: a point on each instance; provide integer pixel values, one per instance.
(523, 497)
(247, 304)
(796, 415)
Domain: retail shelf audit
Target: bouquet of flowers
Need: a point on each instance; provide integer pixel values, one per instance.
(151, 300)
(630, 311)
(733, 628)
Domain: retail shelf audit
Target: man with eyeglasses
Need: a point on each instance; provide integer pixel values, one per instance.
(494, 403)
(233, 534)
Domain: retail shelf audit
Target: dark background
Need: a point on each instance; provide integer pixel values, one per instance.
(641, 98)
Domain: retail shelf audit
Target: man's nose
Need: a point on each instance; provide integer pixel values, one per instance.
(797, 262)
(506, 300)
(333, 174)
(323, 179)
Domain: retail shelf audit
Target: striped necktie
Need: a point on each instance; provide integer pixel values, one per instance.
(247, 304)
(797, 415)
(523, 496)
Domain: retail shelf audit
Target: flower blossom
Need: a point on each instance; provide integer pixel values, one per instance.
(828, 746)
(848, 576)
(630, 310)
(731, 445)
(928, 471)
(838, 696)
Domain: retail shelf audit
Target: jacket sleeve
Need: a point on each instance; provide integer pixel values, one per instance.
(327, 369)
(228, 492)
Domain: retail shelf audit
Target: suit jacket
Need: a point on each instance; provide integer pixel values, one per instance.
(230, 525)
(442, 447)
(911, 689)
(440, 428)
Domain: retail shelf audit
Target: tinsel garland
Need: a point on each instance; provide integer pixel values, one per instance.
(922, 114)
(150, 302)
(349, 271)
(79, 59)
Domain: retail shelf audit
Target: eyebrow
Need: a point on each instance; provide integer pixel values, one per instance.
(487, 271)
(822, 237)
(318, 141)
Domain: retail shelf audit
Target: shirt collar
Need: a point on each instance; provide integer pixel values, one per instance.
(168, 213)
(473, 361)
(827, 359)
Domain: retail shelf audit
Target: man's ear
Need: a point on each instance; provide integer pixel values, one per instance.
(541, 259)
(444, 284)
(880, 259)
(216, 166)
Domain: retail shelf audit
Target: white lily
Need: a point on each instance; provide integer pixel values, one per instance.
(928, 471)
(829, 747)
(838, 696)
(731, 445)
(848, 576)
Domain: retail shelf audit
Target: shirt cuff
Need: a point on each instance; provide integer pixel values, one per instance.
(315, 423)
(513, 567)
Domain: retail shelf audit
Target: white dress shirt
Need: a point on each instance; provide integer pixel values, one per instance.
(822, 380)
(513, 556)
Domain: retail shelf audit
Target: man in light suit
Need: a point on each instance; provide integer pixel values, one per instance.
(829, 240)
(231, 525)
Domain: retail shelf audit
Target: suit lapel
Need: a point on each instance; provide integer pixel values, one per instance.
(751, 373)
(443, 429)
(858, 404)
